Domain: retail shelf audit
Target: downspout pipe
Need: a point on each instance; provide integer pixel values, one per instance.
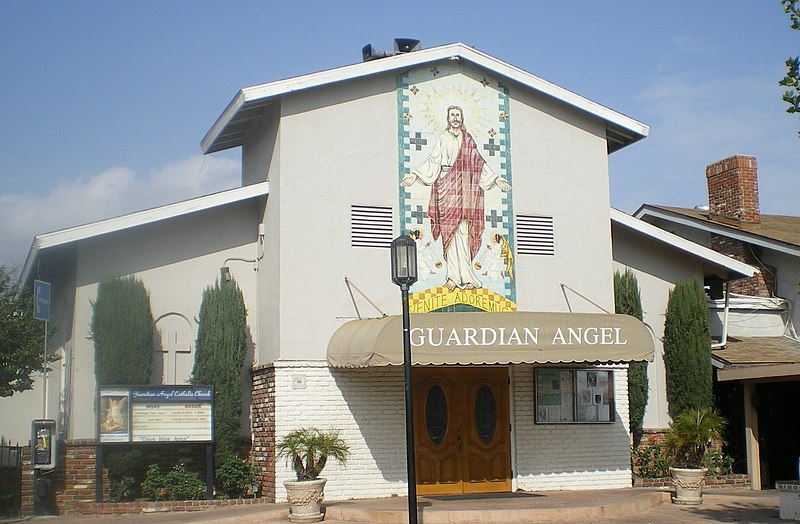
(724, 337)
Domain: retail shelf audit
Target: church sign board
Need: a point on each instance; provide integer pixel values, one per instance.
(155, 414)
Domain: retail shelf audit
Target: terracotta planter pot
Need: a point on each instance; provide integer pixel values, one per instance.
(305, 499)
(688, 484)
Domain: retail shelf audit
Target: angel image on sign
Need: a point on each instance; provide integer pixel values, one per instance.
(115, 415)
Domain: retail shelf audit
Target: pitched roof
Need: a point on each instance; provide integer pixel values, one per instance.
(230, 128)
(66, 237)
(716, 260)
(778, 232)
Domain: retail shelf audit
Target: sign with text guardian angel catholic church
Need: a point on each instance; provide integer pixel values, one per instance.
(156, 414)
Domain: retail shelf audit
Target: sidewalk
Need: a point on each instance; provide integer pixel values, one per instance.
(623, 506)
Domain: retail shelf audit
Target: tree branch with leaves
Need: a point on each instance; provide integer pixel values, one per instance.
(792, 79)
(21, 338)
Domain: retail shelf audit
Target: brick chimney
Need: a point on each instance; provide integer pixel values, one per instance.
(733, 198)
(733, 189)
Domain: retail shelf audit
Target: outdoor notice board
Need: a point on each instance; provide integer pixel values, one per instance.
(155, 414)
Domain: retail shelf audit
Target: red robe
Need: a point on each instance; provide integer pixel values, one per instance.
(457, 195)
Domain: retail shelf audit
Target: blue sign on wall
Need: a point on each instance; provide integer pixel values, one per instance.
(41, 300)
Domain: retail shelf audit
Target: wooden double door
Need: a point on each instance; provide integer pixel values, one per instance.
(461, 430)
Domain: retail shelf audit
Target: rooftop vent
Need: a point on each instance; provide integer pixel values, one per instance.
(401, 45)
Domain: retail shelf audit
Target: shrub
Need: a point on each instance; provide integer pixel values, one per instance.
(234, 477)
(221, 345)
(308, 449)
(178, 484)
(692, 434)
(628, 301)
(650, 460)
(718, 463)
(125, 471)
(122, 329)
(687, 349)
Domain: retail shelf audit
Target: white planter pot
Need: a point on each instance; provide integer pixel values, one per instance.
(688, 485)
(305, 498)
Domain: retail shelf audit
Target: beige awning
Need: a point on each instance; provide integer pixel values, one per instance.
(492, 338)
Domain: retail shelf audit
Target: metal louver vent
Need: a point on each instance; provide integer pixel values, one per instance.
(370, 226)
(535, 235)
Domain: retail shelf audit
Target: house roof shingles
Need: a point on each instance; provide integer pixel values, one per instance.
(772, 227)
(758, 358)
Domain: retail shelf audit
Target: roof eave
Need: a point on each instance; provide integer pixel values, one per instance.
(75, 234)
(716, 227)
(621, 130)
(736, 268)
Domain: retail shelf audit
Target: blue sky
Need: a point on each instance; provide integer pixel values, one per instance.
(104, 103)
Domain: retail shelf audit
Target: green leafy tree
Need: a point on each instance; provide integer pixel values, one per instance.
(122, 329)
(628, 301)
(792, 79)
(21, 338)
(687, 349)
(221, 346)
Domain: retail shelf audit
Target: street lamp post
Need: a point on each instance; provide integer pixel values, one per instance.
(404, 274)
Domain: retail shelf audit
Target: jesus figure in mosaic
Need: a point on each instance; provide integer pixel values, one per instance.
(458, 177)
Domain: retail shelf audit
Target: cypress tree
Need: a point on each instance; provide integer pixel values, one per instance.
(687, 349)
(219, 357)
(628, 301)
(122, 330)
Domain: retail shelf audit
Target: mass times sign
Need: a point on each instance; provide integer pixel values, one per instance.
(155, 414)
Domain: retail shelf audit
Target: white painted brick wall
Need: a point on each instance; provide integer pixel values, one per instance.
(570, 456)
(366, 406)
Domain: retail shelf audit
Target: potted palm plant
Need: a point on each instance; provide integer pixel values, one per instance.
(688, 438)
(308, 450)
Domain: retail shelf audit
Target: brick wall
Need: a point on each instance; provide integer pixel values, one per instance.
(733, 189)
(75, 475)
(365, 405)
(733, 196)
(73, 480)
(761, 285)
(736, 481)
(263, 428)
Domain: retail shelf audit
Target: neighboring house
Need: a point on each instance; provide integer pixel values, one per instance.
(757, 356)
(660, 259)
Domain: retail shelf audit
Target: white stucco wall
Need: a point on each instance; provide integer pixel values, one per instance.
(657, 269)
(176, 260)
(331, 158)
(338, 148)
(787, 270)
(560, 166)
(261, 151)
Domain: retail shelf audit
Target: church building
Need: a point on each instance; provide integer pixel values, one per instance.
(519, 365)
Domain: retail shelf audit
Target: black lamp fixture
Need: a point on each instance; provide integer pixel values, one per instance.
(404, 261)
(404, 274)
